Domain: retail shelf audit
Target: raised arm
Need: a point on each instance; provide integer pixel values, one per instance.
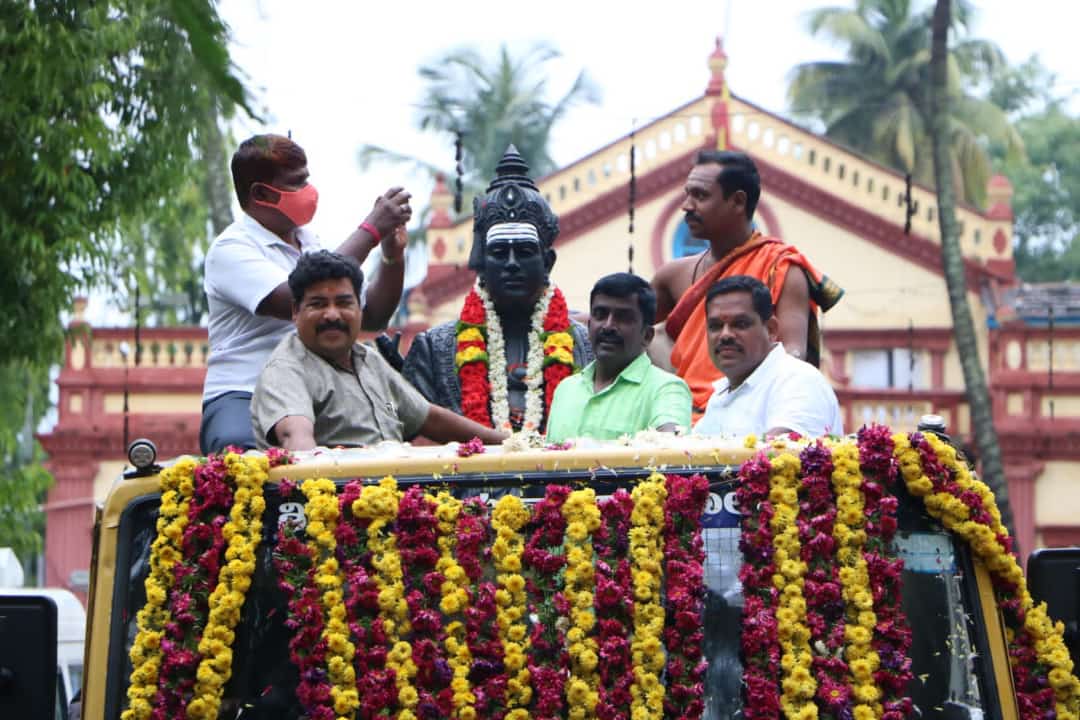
(791, 312)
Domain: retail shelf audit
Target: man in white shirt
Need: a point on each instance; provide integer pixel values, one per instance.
(764, 391)
(247, 270)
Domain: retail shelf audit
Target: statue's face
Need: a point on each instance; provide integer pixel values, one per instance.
(515, 269)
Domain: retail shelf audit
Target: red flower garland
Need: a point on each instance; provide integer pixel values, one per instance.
(548, 660)
(823, 592)
(473, 375)
(375, 682)
(892, 636)
(614, 603)
(684, 588)
(418, 547)
(760, 646)
(473, 554)
(295, 568)
(203, 546)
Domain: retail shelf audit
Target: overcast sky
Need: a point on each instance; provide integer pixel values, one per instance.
(340, 74)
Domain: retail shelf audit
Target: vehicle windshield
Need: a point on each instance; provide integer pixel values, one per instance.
(946, 652)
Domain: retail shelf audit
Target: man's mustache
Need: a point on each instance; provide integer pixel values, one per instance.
(693, 216)
(332, 325)
(610, 337)
(723, 344)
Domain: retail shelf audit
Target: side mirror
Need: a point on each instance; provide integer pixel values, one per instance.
(27, 657)
(1054, 578)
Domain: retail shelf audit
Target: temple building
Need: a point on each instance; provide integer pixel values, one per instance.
(888, 345)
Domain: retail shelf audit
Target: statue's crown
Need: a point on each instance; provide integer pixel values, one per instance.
(512, 197)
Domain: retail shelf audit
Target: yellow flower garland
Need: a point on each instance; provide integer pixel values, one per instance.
(507, 520)
(954, 515)
(455, 600)
(322, 513)
(796, 661)
(177, 487)
(582, 520)
(850, 536)
(379, 504)
(243, 532)
(646, 555)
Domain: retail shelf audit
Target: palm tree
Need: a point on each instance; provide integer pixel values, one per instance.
(982, 417)
(491, 105)
(877, 101)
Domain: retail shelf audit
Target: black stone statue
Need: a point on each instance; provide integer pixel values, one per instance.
(512, 253)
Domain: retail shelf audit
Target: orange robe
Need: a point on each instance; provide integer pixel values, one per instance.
(764, 258)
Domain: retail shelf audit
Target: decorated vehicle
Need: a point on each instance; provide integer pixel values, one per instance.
(859, 577)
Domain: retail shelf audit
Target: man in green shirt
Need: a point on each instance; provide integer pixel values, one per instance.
(621, 391)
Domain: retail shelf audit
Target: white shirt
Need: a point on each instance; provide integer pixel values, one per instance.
(243, 265)
(782, 392)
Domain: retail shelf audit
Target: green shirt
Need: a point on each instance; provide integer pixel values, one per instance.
(643, 397)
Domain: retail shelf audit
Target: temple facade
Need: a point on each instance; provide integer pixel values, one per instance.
(889, 347)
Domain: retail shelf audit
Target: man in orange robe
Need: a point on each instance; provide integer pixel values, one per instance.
(721, 196)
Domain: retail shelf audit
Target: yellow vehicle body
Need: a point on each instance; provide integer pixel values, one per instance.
(114, 568)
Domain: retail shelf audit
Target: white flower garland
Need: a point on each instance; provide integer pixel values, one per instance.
(534, 366)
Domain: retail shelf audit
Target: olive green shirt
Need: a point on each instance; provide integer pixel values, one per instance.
(642, 397)
(362, 406)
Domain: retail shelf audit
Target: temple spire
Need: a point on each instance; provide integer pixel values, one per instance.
(717, 88)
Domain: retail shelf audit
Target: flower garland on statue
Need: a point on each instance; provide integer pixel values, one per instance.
(684, 591)
(166, 555)
(646, 557)
(1041, 666)
(481, 359)
(582, 520)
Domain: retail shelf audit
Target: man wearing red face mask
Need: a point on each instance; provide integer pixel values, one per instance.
(247, 270)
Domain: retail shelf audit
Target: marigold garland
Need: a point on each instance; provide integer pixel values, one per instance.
(582, 520)
(798, 686)
(646, 555)
(508, 519)
(454, 604)
(379, 505)
(177, 488)
(203, 543)
(1041, 666)
(850, 535)
(243, 533)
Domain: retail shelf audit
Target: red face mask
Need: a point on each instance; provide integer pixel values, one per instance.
(297, 205)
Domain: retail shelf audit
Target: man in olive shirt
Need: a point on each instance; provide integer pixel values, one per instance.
(322, 388)
(621, 391)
